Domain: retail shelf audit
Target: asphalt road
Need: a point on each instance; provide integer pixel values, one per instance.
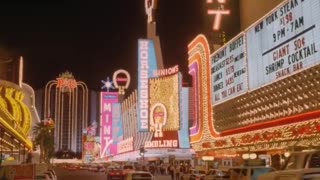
(64, 174)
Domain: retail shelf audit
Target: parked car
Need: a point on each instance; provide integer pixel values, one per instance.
(300, 165)
(139, 175)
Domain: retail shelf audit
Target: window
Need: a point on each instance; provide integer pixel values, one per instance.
(315, 160)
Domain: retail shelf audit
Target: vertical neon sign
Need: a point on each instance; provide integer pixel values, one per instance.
(146, 65)
(107, 100)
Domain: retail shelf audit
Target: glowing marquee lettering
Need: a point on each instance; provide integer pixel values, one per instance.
(166, 72)
(68, 83)
(144, 88)
(161, 143)
(218, 14)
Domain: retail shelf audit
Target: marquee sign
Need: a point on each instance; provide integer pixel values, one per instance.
(229, 70)
(284, 42)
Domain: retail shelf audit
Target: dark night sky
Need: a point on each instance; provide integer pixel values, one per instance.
(91, 39)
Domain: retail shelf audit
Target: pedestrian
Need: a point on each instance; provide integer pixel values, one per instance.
(178, 172)
(172, 171)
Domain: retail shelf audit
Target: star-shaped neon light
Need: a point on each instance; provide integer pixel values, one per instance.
(107, 84)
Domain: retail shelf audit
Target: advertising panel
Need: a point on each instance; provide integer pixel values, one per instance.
(147, 63)
(107, 101)
(164, 104)
(284, 42)
(183, 133)
(117, 129)
(229, 70)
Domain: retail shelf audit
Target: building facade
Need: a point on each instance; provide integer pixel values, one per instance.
(66, 102)
(262, 93)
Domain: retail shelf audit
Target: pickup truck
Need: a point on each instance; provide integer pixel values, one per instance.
(303, 165)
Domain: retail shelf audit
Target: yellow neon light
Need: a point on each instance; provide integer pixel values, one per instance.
(15, 110)
(27, 142)
(26, 121)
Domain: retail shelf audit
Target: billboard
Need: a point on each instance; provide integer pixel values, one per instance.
(183, 133)
(164, 103)
(107, 100)
(229, 70)
(117, 127)
(284, 42)
(147, 63)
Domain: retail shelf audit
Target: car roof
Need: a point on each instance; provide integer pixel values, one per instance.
(249, 167)
(139, 172)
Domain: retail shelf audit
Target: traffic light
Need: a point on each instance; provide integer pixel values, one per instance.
(141, 151)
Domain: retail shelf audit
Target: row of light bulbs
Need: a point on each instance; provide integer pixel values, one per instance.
(294, 95)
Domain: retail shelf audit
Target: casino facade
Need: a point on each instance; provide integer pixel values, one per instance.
(262, 97)
(17, 112)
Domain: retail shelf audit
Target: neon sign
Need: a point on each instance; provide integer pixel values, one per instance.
(149, 6)
(158, 118)
(166, 72)
(66, 80)
(117, 80)
(218, 13)
(107, 84)
(162, 143)
(143, 85)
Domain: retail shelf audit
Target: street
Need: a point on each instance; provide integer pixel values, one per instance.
(64, 174)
